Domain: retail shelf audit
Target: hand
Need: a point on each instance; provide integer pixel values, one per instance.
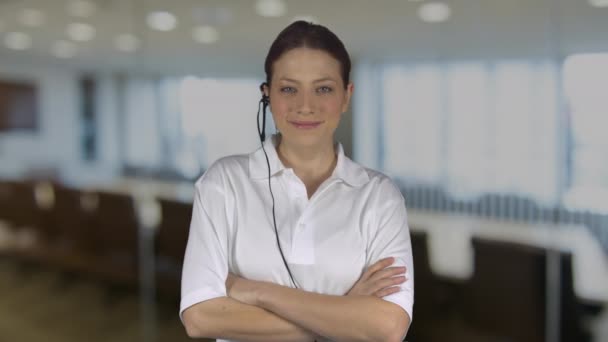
(241, 289)
(379, 280)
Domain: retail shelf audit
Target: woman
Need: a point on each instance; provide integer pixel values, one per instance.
(341, 226)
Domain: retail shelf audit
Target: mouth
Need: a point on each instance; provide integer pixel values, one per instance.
(305, 125)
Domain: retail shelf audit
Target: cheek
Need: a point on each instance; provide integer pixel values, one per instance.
(333, 108)
(280, 107)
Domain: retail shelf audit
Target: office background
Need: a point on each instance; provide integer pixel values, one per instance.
(489, 114)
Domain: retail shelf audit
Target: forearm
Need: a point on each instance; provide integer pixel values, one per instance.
(227, 318)
(339, 318)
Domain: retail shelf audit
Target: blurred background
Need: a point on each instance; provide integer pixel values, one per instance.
(490, 115)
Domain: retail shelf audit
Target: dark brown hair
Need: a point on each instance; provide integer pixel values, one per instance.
(304, 34)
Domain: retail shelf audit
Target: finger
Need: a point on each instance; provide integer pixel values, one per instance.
(385, 283)
(388, 272)
(387, 291)
(392, 271)
(380, 264)
(383, 263)
(388, 282)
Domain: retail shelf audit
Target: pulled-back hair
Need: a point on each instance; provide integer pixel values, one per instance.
(304, 34)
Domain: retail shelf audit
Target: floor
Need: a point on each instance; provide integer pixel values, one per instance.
(41, 305)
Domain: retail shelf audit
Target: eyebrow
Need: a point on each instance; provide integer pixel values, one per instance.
(324, 79)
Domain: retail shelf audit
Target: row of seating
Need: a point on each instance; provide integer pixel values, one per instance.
(98, 234)
(505, 299)
(92, 233)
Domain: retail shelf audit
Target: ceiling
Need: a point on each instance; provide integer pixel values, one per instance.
(374, 30)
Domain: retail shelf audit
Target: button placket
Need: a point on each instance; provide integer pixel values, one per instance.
(303, 244)
(302, 251)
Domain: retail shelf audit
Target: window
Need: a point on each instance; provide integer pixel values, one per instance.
(413, 121)
(185, 124)
(218, 118)
(471, 127)
(585, 84)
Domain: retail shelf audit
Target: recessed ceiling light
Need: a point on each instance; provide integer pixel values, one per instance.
(64, 49)
(127, 42)
(161, 21)
(598, 3)
(434, 12)
(306, 18)
(32, 17)
(17, 41)
(81, 32)
(81, 8)
(271, 8)
(205, 34)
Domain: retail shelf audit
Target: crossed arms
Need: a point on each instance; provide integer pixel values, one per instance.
(262, 311)
(251, 310)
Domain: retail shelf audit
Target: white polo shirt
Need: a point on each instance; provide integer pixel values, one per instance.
(355, 218)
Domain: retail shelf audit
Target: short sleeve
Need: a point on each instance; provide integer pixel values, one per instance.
(392, 239)
(205, 262)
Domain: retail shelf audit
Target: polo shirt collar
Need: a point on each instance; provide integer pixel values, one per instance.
(258, 168)
(346, 170)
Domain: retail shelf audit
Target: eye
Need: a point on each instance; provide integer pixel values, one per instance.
(288, 90)
(324, 90)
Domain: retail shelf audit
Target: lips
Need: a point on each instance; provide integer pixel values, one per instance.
(305, 125)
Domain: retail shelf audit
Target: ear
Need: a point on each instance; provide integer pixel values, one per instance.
(264, 88)
(350, 88)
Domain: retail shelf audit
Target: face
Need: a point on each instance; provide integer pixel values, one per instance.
(308, 97)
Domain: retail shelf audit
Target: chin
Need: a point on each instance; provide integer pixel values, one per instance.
(304, 139)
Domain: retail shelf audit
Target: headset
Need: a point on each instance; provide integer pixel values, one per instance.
(264, 102)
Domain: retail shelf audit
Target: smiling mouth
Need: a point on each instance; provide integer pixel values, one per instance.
(305, 125)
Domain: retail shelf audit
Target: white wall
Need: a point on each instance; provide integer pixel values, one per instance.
(56, 142)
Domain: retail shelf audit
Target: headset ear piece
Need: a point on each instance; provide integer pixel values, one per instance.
(265, 98)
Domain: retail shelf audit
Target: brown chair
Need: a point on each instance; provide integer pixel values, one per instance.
(69, 219)
(171, 245)
(434, 297)
(507, 294)
(502, 302)
(29, 221)
(60, 241)
(6, 190)
(71, 247)
(573, 310)
(423, 292)
(22, 209)
(7, 227)
(115, 230)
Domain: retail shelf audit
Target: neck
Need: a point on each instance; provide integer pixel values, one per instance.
(309, 163)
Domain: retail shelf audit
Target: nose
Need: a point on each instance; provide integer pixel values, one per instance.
(305, 103)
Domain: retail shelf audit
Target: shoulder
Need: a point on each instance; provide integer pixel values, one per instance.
(223, 170)
(382, 185)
